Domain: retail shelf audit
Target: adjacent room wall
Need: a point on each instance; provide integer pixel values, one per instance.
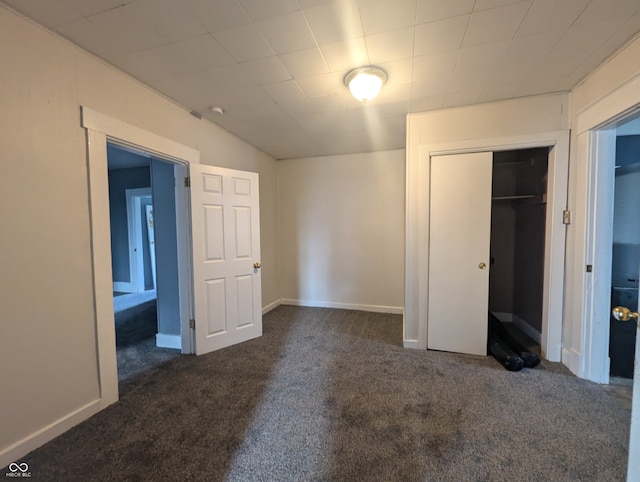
(48, 363)
(626, 219)
(626, 229)
(342, 231)
(119, 181)
(166, 244)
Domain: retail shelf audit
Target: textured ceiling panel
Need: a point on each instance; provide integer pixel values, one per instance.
(277, 67)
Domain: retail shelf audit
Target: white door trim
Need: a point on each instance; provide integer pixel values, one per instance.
(417, 218)
(100, 129)
(594, 191)
(616, 105)
(134, 231)
(593, 361)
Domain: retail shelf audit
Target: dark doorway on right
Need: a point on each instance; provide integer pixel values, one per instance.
(625, 266)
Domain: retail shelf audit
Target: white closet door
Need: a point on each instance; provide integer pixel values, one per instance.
(459, 243)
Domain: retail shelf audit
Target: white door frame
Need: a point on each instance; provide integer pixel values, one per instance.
(151, 241)
(101, 128)
(416, 279)
(594, 193)
(596, 144)
(134, 227)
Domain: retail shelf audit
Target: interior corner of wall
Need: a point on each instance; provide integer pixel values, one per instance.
(271, 306)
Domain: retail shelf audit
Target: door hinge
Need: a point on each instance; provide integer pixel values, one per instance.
(566, 217)
(192, 324)
(187, 182)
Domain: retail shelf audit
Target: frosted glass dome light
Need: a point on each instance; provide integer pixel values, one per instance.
(365, 82)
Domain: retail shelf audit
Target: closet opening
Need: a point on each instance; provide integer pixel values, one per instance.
(517, 253)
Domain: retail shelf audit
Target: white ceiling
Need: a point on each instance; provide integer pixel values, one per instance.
(276, 67)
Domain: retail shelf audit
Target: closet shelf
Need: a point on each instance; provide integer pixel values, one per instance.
(509, 198)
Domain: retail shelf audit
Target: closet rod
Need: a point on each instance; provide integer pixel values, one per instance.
(508, 198)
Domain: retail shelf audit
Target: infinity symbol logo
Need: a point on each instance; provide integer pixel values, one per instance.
(19, 467)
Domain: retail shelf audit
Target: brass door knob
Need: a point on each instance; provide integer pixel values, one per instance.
(257, 265)
(622, 313)
(482, 266)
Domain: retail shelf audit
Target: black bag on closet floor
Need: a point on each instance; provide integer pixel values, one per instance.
(505, 355)
(497, 329)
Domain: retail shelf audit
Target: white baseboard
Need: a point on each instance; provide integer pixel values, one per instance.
(413, 344)
(398, 310)
(14, 452)
(571, 359)
(525, 327)
(271, 306)
(168, 341)
(123, 287)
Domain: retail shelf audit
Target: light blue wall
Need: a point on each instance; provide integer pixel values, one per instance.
(164, 213)
(627, 150)
(119, 181)
(626, 228)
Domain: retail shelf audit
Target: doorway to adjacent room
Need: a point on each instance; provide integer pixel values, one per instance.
(146, 292)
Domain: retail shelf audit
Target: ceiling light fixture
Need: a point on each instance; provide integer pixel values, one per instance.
(365, 82)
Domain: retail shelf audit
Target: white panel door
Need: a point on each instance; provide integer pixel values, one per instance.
(459, 242)
(226, 245)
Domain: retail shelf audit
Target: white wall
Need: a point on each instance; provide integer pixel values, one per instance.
(48, 364)
(506, 123)
(341, 221)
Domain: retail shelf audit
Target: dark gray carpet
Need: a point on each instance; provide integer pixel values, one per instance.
(136, 327)
(123, 301)
(136, 323)
(332, 395)
(138, 358)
